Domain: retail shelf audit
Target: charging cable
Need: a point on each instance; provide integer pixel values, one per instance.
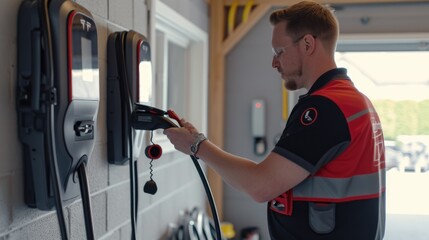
(209, 196)
(127, 107)
(149, 118)
(50, 143)
(86, 200)
(50, 126)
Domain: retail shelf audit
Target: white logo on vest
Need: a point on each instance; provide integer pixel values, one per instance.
(309, 116)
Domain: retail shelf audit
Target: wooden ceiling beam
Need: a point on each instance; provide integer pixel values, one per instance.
(245, 27)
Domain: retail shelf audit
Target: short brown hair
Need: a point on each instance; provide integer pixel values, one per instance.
(309, 17)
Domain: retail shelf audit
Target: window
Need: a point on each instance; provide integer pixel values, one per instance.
(181, 71)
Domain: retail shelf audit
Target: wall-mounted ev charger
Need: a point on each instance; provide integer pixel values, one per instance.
(129, 83)
(129, 87)
(258, 127)
(57, 103)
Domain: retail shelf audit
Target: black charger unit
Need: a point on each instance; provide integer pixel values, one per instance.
(129, 82)
(128, 90)
(57, 96)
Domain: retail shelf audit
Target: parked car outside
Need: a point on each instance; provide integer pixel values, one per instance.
(415, 153)
(393, 155)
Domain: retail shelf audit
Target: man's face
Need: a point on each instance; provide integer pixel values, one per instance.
(287, 59)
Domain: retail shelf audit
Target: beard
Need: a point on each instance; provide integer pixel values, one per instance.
(293, 76)
(290, 84)
(291, 80)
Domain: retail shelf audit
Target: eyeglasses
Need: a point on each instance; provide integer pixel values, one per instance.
(278, 51)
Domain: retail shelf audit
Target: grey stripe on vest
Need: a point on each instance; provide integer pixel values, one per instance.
(359, 114)
(337, 188)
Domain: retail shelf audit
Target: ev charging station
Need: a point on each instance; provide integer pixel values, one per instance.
(129, 77)
(128, 89)
(57, 103)
(129, 82)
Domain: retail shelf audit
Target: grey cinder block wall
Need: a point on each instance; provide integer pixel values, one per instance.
(179, 187)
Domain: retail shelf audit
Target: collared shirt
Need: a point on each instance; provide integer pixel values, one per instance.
(315, 126)
(318, 132)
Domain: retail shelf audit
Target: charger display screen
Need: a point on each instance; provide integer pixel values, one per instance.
(144, 63)
(82, 58)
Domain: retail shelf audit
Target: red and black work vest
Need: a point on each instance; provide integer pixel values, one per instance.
(358, 173)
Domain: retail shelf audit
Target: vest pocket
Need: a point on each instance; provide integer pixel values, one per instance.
(321, 217)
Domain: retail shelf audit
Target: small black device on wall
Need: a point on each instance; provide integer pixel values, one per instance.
(57, 101)
(258, 127)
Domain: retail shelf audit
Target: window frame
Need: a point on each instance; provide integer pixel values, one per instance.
(179, 30)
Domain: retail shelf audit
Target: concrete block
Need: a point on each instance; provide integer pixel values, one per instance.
(46, 228)
(21, 213)
(96, 7)
(154, 220)
(145, 199)
(115, 235)
(5, 203)
(77, 220)
(118, 174)
(19, 234)
(171, 177)
(140, 17)
(97, 168)
(149, 225)
(126, 232)
(121, 12)
(118, 206)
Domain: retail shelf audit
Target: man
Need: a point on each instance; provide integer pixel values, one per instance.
(324, 179)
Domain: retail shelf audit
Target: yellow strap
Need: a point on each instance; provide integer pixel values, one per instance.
(231, 16)
(285, 109)
(247, 9)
